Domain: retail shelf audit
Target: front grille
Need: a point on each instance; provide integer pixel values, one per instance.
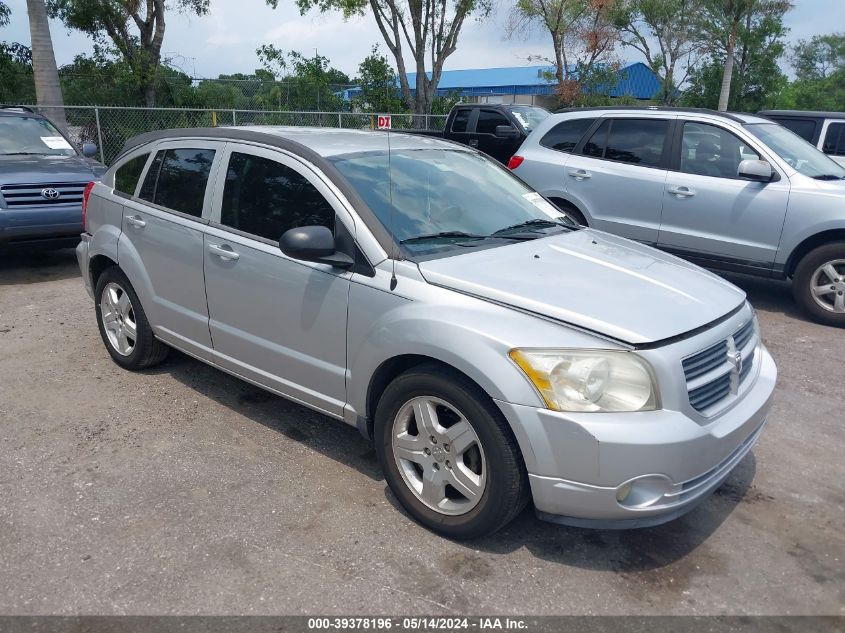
(716, 372)
(22, 196)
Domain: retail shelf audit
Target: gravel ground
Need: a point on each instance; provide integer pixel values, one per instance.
(183, 490)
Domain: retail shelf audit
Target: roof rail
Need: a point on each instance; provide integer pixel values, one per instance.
(658, 108)
(22, 108)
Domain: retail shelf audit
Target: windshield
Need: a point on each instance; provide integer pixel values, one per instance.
(448, 199)
(529, 117)
(798, 153)
(21, 135)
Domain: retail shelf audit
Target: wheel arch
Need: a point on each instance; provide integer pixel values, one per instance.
(568, 205)
(97, 265)
(810, 243)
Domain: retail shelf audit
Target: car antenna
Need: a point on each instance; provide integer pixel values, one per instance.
(392, 232)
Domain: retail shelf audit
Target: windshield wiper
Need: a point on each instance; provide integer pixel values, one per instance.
(828, 177)
(528, 224)
(443, 234)
(25, 154)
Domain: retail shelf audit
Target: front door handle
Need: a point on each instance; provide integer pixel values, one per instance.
(580, 174)
(224, 252)
(136, 221)
(682, 192)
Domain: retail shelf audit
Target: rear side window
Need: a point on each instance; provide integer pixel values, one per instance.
(637, 141)
(805, 128)
(489, 120)
(598, 141)
(266, 198)
(834, 139)
(565, 135)
(461, 120)
(177, 179)
(126, 176)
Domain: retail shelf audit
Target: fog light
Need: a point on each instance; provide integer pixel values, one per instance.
(622, 492)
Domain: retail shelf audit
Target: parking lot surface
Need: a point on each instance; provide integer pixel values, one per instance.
(183, 490)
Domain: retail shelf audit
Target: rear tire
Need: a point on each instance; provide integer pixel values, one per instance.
(123, 324)
(467, 489)
(818, 284)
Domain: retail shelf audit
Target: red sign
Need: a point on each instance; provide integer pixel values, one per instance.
(384, 121)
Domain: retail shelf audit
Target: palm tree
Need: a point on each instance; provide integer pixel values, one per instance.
(48, 92)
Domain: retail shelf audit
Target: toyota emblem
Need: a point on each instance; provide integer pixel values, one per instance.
(49, 194)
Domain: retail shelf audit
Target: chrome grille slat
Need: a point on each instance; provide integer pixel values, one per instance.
(712, 375)
(29, 195)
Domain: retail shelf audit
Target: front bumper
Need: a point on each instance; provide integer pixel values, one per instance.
(579, 461)
(40, 224)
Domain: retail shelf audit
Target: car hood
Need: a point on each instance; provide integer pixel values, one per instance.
(593, 280)
(48, 169)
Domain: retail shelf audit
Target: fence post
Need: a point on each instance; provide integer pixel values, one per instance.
(339, 120)
(99, 135)
(234, 119)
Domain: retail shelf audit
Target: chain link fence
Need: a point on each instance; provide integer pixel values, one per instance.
(110, 127)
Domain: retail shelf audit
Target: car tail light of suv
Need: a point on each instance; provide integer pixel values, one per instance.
(85, 194)
(515, 162)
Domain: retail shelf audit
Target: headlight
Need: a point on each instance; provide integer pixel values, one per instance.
(589, 380)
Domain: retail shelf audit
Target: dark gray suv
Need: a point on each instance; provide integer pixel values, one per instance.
(42, 180)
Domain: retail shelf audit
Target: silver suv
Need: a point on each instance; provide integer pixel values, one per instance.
(493, 351)
(726, 191)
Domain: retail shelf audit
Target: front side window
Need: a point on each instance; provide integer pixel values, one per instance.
(126, 176)
(31, 135)
(565, 135)
(803, 157)
(461, 120)
(177, 179)
(265, 198)
(489, 120)
(709, 150)
(834, 139)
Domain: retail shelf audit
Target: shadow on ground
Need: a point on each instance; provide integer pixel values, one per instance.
(29, 265)
(603, 550)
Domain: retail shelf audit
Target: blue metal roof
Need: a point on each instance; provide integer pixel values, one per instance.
(636, 80)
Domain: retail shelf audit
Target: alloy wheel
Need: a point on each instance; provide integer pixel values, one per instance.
(439, 455)
(827, 286)
(118, 319)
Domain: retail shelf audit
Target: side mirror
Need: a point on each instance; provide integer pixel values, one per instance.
(313, 244)
(89, 149)
(755, 170)
(506, 131)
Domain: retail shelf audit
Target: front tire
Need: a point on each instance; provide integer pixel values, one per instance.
(123, 324)
(819, 284)
(448, 454)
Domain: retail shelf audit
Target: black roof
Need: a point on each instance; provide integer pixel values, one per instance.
(802, 114)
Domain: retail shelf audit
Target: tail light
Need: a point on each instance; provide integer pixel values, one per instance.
(85, 194)
(515, 162)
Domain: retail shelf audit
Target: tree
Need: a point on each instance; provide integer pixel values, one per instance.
(428, 29)
(583, 37)
(379, 85)
(16, 85)
(309, 83)
(133, 29)
(5, 12)
(665, 33)
(756, 80)
(720, 24)
(819, 57)
(47, 89)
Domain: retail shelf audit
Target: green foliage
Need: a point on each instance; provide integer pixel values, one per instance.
(757, 78)
(819, 65)
(308, 83)
(5, 12)
(16, 81)
(379, 85)
(110, 23)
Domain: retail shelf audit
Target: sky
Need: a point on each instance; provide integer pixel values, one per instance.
(224, 41)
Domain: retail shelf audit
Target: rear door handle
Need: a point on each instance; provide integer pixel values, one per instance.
(224, 252)
(682, 192)
(136, 221)
(580, 174)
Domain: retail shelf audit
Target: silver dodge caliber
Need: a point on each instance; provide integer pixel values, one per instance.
(494, 351)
